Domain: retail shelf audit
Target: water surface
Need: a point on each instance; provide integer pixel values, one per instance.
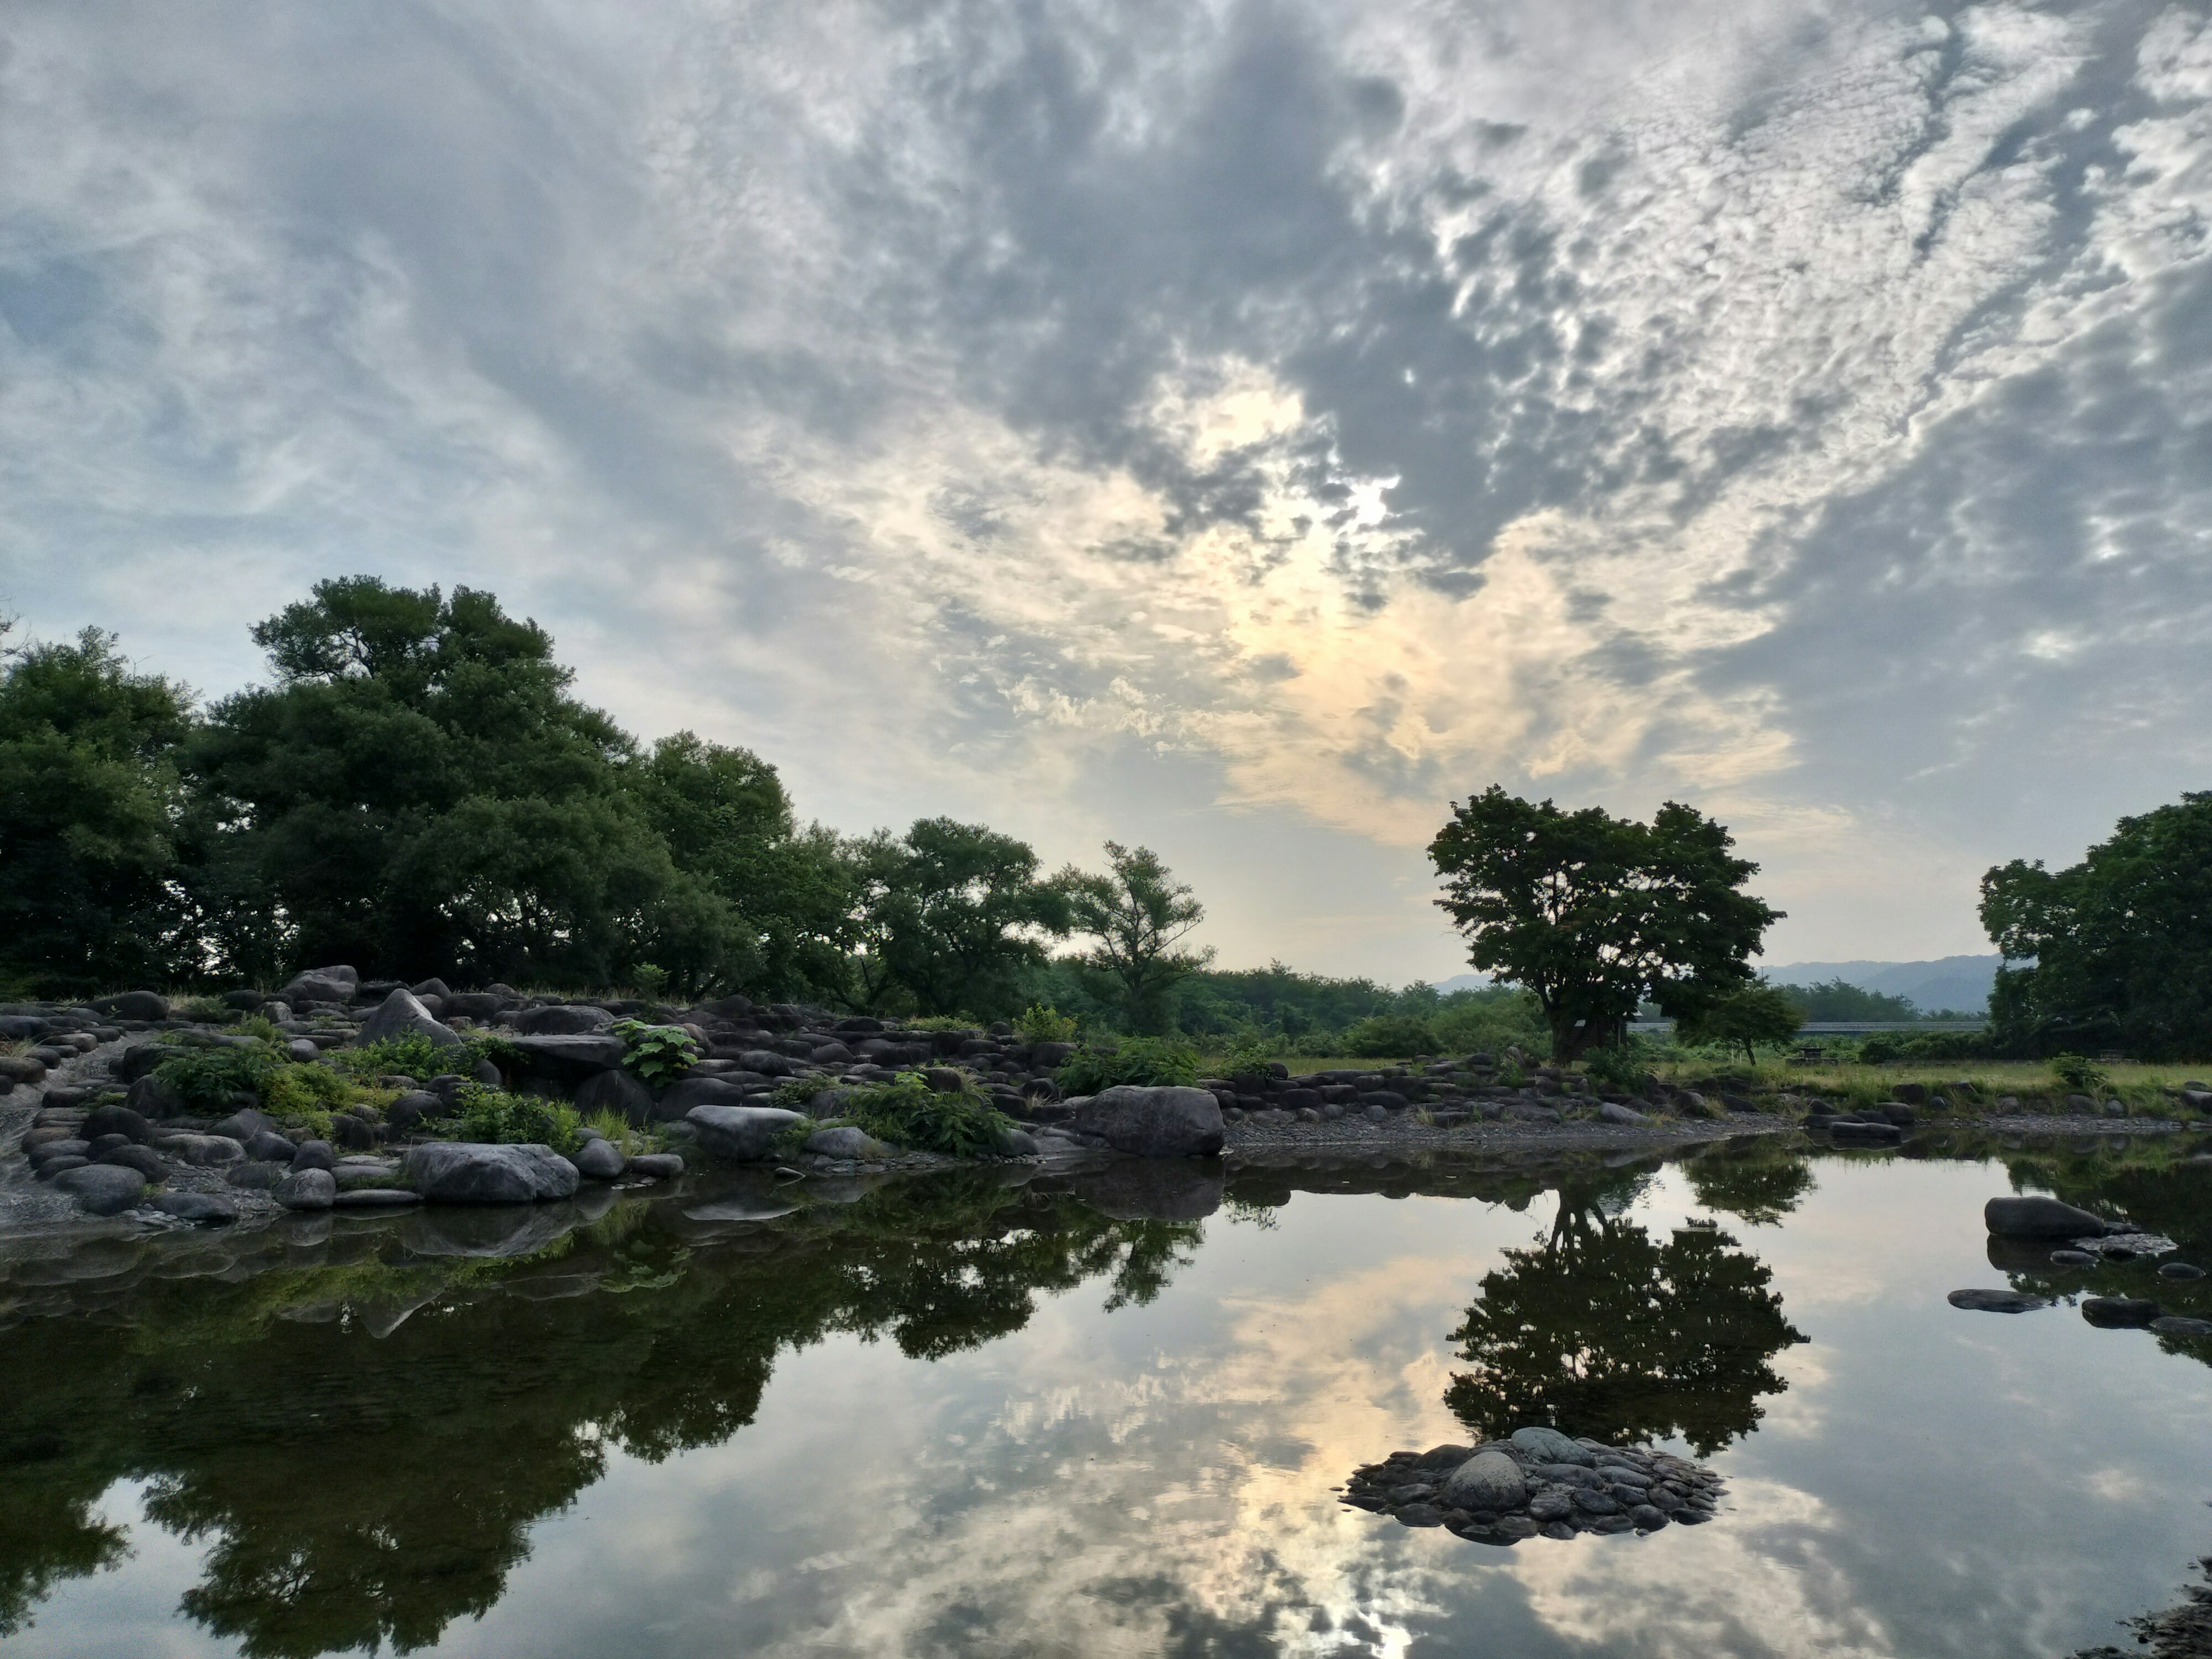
(1104, 1416)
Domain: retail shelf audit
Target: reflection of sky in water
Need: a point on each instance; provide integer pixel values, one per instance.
(1158, 1480)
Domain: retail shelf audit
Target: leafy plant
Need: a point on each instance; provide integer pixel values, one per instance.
(944, 1023)
(1043, 1022)
(496, 1117)
(1390, 1036)
(260, 1025)
(206, 1079)
(1144, 1063)
(618, 1129)
(414, 1055)
(908, 1112)
(2079, 1075)
(1621, 1066)
(649, 981)
(657, 1054)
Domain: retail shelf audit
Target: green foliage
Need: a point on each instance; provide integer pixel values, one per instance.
(413, 1055)
(1593, 913)
(1624, 1066)
(1041, 1023)
(657, 1054)
(649, 979)
(1140, 915)
(1837, 999)
(89, 794)
(1145, 1062)
(1502, 1016)
(1390, 1036)
(261, 1026)
(2079, 1075)
(208, 1077)
(494, 1115)
(614, 1127)
(907, 1112)
(944, 1023)
(1743, 1016)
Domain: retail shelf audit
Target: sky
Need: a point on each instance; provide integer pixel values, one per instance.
(1242, 429)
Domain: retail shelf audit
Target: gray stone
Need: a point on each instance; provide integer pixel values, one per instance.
(1549, 1446)
(306, 1190)
(1553, 1504)
(1978, 1300)
(2119, 1312)
(47, 1169)
(321, 985)
(2037, 1217)
(848, 1141)
(409, 1110)
(563, 1019)
(302, 1051)
(102, 1188)
(201, 1151)
(1647, 1517)
(739, 1134)
(1614, 1112)
(1597, 1502)
(568, 1060)
(1166, 1122)
(618, 1092)
(1487, 1480)
(315, 1155)
(113, 1119)
(687, 1092)
(2180, 1325)
(2073, 1258)
(67, 1146)
(154, 1100)
(144, 1159)
(601, 1160)
(657, 1166)
(269, 1146)
(376, 1198)
(2179, 1270)
(465, 1172)
(255, 1176)
(132, 1004)
(201, 1209)
(402, 1014)
(242, 1126)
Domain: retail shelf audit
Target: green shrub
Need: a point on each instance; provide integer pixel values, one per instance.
(907, 1112)
(1144, 1063)
(260, 1025)
(1621, 1066)
(206, 1079)
(1043, 1022)
(493, 1115)
(1390, 1036)
(649, 981)
(944, 1023)
(414, 1055)
(2079, 1075)
(620, 1130)
(1881, 1048)
(657, 1054)
(1490, 1025)
(303, 1092)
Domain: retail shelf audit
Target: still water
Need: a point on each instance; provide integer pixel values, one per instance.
(1104, 1416)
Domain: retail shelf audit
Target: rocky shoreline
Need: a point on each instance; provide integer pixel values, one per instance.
(1536, 1483)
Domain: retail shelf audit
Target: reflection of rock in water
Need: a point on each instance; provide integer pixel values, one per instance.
(2181, 1631)
(1536, 1483)
(1150, 1189)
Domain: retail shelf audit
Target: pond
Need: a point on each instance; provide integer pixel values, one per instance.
(1108, 1414)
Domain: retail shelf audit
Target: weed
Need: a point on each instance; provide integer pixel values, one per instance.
(656, 1053)
(1043, 1022)
(945, 1023)
(619, 1130)
(2079, 1075)
(907, 1112)
(496, 1117)
(1147, 1062)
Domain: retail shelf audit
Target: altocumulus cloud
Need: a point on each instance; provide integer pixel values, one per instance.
(1236, 427)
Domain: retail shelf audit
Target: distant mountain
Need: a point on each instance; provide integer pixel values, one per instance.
(1960, 982)
(1462, 982)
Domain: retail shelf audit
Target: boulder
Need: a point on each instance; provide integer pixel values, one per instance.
(2181, 1325)
(21, 1068)
(687, 1092)
(465, 1172)
(1549, 1446)
(569, 1059)
(1614, 1112)
(376, 1198)
(1150, 1190)
(2037, 1217)
(848, 1141)
(618, 1092)
(314, 1154)
(101, 1188)
(112, 1120)
(132, 1004)
(2119, 1312)
(657, 1166)
(563, 1019)
(739, 1134)
(432, 987)
(301, 1052)
(243, 1126)
(321, 985)
(2010, 1302)
(411, 1108)
(475, 1005)
(201, 1209)
(269, 1146)
(402, 1014)
(203, 1152)
(1488, 1480)
(1163, 1122)
(151, 1099)
(600, 1160)
(144, 1159)
(308, 1189)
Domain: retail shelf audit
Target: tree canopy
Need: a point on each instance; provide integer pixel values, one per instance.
(1140, 915)
(1594, 914)
(2115, 951)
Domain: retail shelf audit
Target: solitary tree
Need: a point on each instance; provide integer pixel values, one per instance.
(1593, 914)
(1746, 1014)
(1140, 915)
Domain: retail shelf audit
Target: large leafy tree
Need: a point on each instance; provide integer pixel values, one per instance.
(2115, 951)
(419, 793)
(89, 802)
(1593, 914)
(1139, 915)
(1742, 1016)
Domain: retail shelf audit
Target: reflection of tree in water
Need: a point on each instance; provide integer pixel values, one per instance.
(1756, 1182)
(357, 1491)
(1601, 1331)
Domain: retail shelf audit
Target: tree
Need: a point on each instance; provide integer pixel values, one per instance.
(89, 800)
(1593, 914)
(949, 915)
(2116, 950)
(1839, 1000)
(1745, 1014)
(1138, 915)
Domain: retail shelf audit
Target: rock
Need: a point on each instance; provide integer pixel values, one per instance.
(657, 1166)
(740, 1135)
(848, 1141)
(269, 1146)
(402, 1014)
(1487, 1480)
(132, 1004)
(563, 1019)
(465, 1172)
(2179, 1270)
(306, 1190)
(102, 1188)
(2177, 1325)
(568, 1059)
(601, 1160)
(255, 1176)
(2037, 1217)
(2119, 1312)
(315, 1155)
(1856, 1132)
(321, 985)
(114, 1120)
(301, 1052)
(687, 1092)
(376, 1198)
(1553, 1504)
(201, 1209)
(1591, 1501)
(242, 1126)
(618, 1092)
(154, 1100)
(1979, 1300)
(49, 1168)
(1614, 1112)
(1549, 1446)
(353, 1134)
(1647, 1517)
(201, 1151)
(2073, 1258)
(1166, 1122)
(144, 1159)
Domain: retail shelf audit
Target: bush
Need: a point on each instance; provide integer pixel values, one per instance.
(1143, 1062)
(415, 1057)
(907, 1112)
(944, 1023)
(2079, 1075)
(1043, 1022)
(1490, 1025)
(657, 1053)
(496, 1117)
(206, 1079)
(1390, 1036)
(1625, 1068)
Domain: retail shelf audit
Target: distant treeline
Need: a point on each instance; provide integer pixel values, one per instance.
(1840, 1001)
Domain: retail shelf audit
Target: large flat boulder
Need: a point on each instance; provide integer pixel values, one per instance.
(102, 1188)
(686, 1092)
(1165, 1122)
(617, 1091)
(133, 1005)
(563, 1019)
(402, 1014)
(2037, 1217)
(468, 1172)
(1488, 1480)
(739, 1134)
(321, 985)
(567, 1059)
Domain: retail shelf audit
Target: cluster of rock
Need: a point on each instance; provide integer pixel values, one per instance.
(1536, 1483)
(2081, 1239)
(1461, 1091)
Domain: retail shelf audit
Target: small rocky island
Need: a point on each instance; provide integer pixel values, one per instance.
(1536, 1483)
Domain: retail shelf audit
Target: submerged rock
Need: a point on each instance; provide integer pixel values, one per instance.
(1997, 1301)
(2036, 1217)
(1527, 1487)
